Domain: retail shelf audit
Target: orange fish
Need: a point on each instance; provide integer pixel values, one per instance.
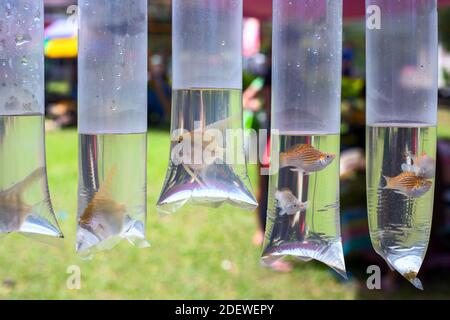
(103, 215)
(305, 157)
(13, 210)
(408, 184)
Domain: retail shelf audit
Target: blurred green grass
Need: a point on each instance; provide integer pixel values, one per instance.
(197, 253)
(443, 123)
(185, 260)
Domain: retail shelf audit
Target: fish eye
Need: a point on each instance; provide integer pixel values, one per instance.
(180, 139)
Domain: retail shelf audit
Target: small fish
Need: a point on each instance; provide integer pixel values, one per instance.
(408, 184)
(425, 166)
(196, 142)
(288, 203)
(103, 215)
(13, 210)
(305, 157)
(410, 275)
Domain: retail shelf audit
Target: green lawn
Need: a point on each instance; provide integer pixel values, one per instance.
(186, 260)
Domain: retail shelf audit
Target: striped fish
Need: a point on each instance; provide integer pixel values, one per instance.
(408, 184)
(305, 157)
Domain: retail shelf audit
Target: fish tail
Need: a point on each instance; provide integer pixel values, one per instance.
(283, 160)
(388, 182)
(303, 205)
(107, 184)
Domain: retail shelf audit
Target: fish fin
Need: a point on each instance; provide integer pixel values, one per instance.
(105, 187)
(299, 170)
(400, 192)
(19, 187)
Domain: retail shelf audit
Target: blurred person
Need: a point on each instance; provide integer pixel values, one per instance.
(348, 57)
(257, 98)
(159, 91)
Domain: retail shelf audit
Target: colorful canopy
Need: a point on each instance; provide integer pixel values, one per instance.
(353, 9)
(61, 39)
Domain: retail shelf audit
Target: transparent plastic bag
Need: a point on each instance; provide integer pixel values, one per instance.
(112, 124)
(25, 204)
(207, 161)
(402, 84)
(303, 218)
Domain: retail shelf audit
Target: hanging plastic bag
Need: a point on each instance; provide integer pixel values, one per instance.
(25, 204)
(303, 207)
(112, 122)
(401, 130)
(207, 162)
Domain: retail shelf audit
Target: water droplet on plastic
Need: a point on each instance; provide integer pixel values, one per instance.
(37, 17)
(22, 39)
(113, 106)
(8, 10)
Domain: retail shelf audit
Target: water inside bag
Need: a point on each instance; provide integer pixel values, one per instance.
(303, 209)
(400, 184)
(25, 204)
(207, 162)
(112, 191)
